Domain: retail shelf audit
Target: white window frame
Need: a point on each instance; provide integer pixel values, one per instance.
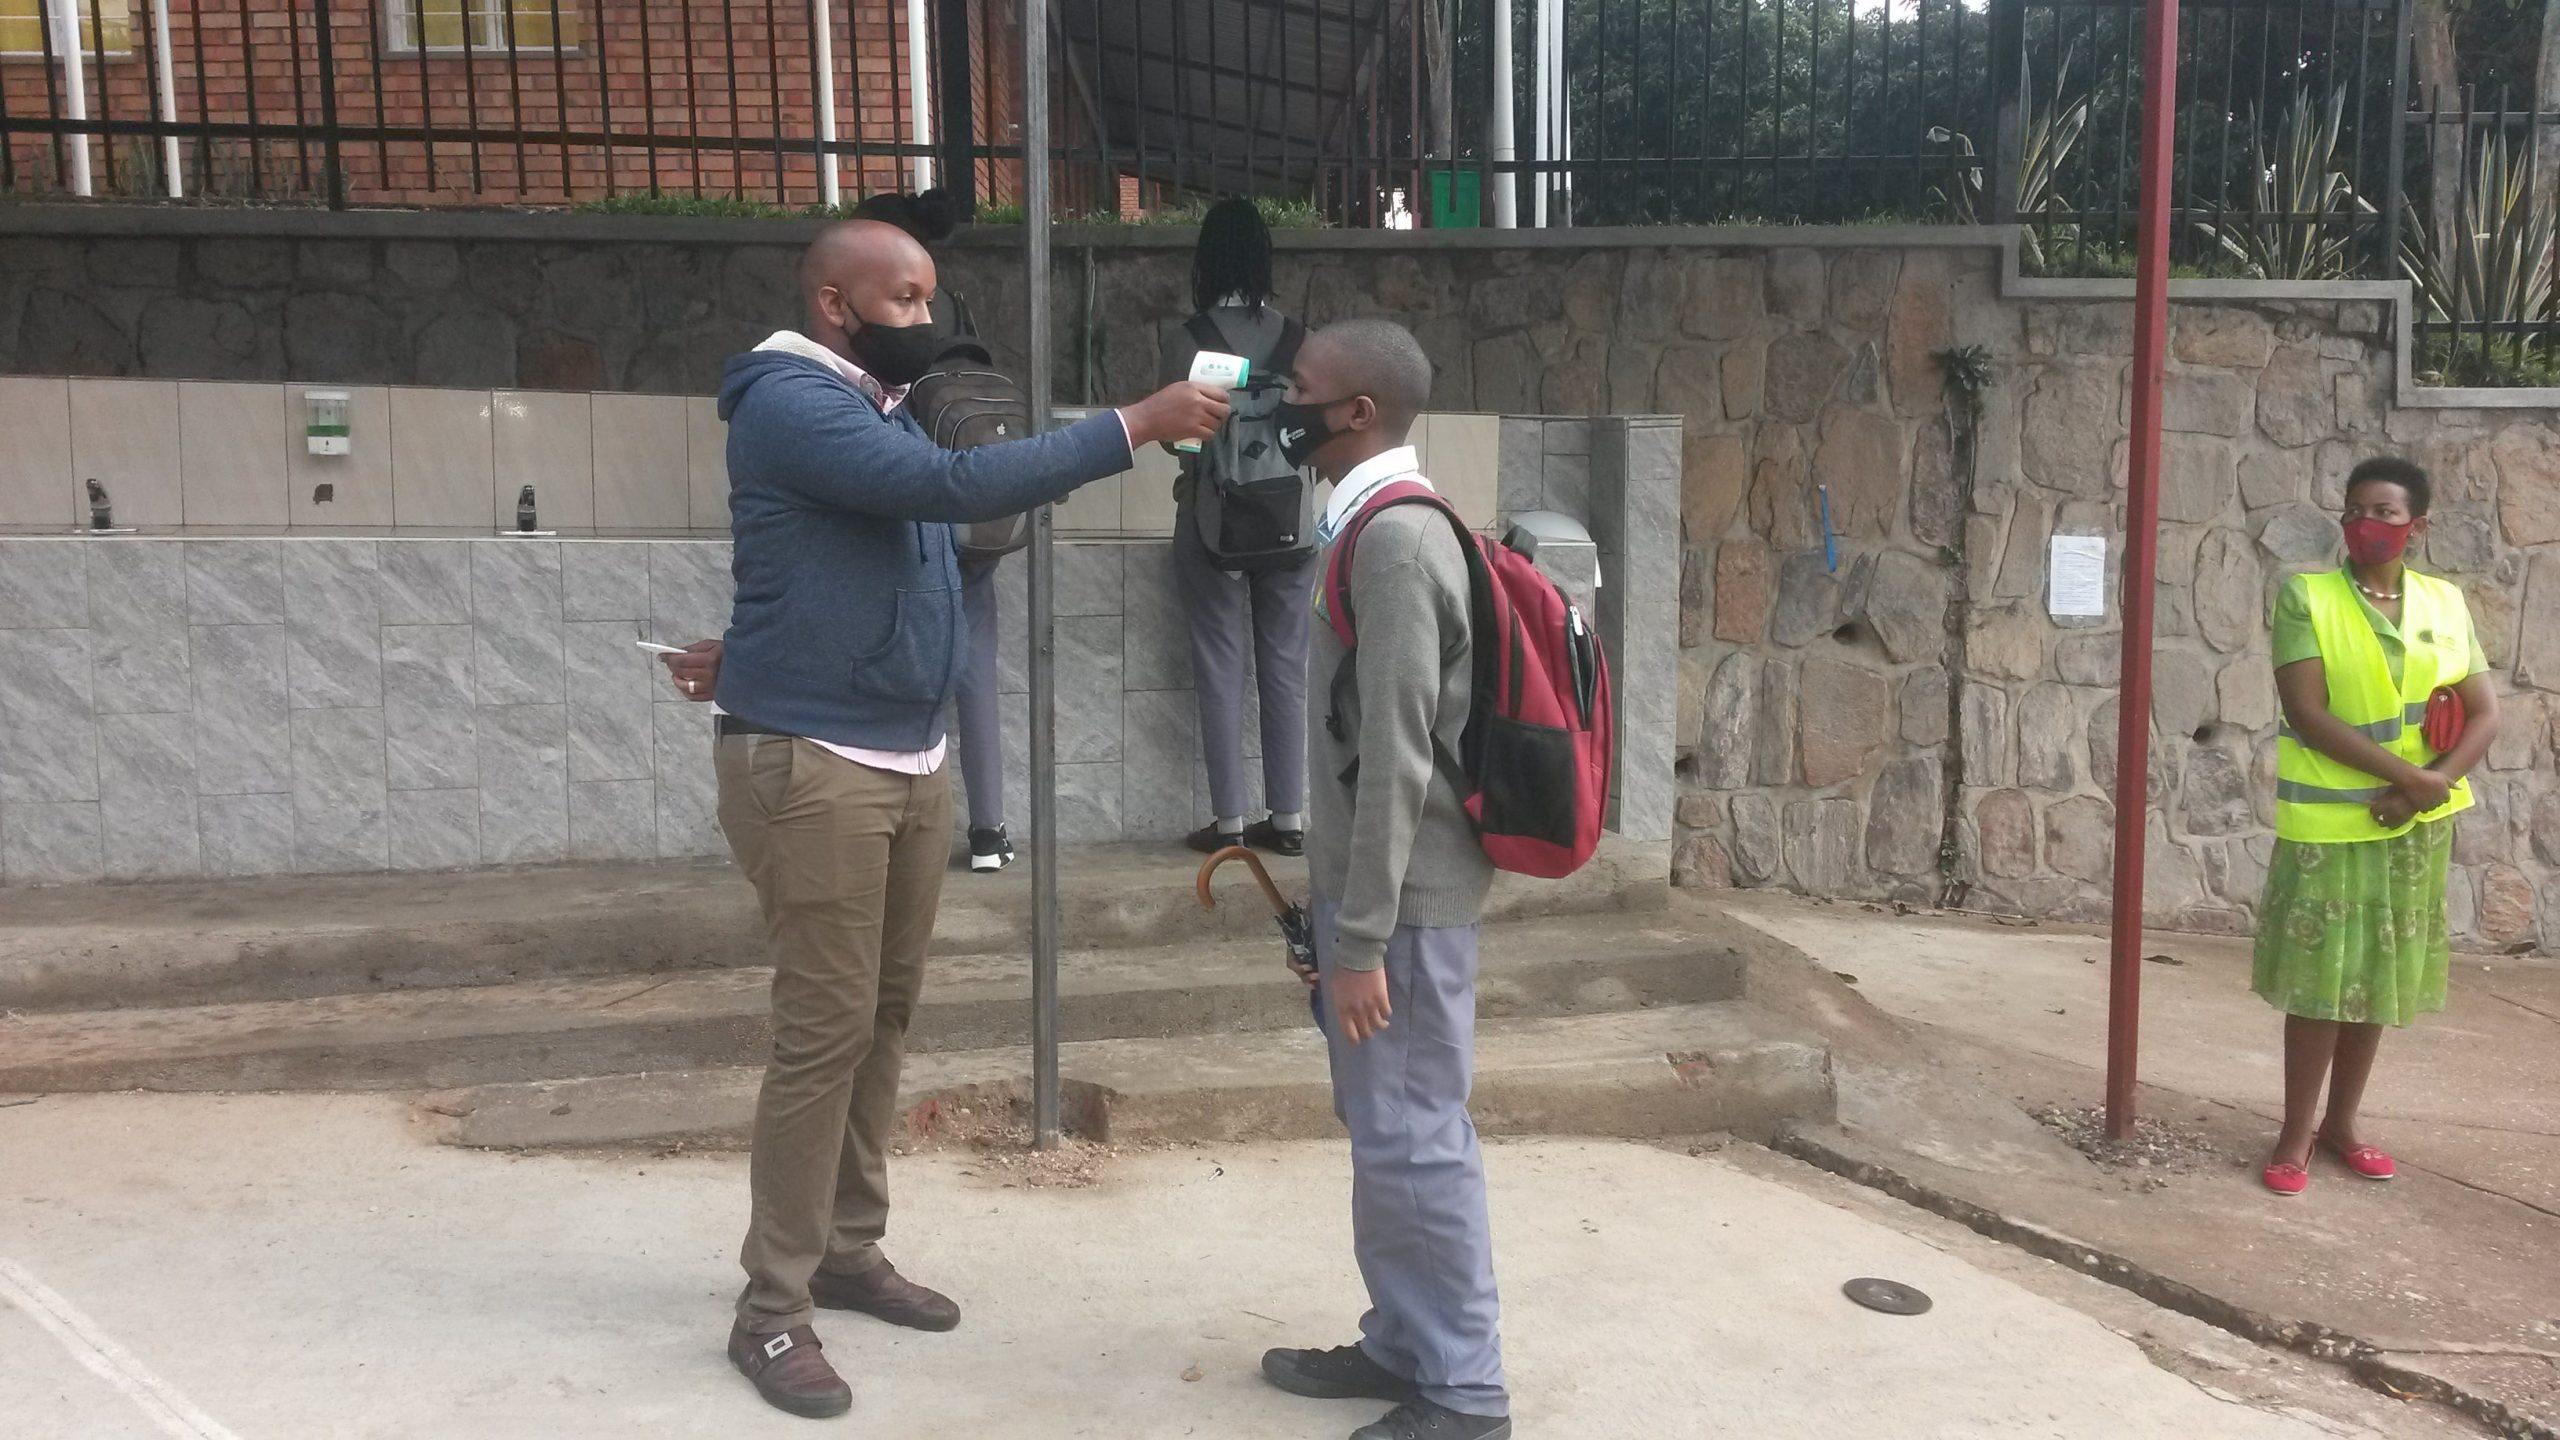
(487, 20)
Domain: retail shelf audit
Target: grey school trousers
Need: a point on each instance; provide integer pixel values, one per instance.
(981, 714)
(1418, 1224)
(1273, 606)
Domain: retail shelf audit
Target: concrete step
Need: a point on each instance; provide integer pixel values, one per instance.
(1670, 1070)
(702, 1019)
(95, 946)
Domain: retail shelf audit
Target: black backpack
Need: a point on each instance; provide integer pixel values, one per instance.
(1253, 509)
(963, 402)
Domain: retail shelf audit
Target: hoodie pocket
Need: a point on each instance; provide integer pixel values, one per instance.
(913, 664)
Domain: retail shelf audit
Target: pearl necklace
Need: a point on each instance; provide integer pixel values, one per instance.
(2371, 593)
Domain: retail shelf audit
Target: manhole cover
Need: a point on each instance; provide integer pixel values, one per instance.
(1891, 1297)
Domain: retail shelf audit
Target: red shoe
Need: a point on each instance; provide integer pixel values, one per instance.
(2365, 1160)
(2286, 1178)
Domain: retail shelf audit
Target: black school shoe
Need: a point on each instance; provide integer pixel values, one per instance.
(1209, 840)
(1422, 1420)
(1344, 1372)
(1263, 835)
(990, 849)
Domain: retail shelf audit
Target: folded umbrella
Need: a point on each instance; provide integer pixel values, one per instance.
(1296, 930)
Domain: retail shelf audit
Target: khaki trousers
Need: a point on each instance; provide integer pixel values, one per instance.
(847, 862)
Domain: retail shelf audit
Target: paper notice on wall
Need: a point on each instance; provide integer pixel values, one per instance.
(2078, 585)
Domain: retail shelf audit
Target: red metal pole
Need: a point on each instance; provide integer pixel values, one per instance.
(2141, 547)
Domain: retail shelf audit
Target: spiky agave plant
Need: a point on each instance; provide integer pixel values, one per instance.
(2303, 213)
(2496, 271)
(2053, 128)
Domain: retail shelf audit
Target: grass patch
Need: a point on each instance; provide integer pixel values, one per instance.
(2477, 361)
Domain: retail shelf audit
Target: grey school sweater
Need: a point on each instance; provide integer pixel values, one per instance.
(1388, 838)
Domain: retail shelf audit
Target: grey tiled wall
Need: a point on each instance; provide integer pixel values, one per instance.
(183, 707)
(218, 707)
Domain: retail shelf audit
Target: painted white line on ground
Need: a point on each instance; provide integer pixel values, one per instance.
(109, 1361)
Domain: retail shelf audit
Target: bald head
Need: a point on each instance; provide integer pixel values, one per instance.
(860, 272)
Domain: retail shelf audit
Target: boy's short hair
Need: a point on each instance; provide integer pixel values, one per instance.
(2409, 475)
(1387, 364)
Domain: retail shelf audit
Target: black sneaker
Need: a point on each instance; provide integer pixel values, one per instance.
(1263, 835)
(1343, 1373)
(1422, 1420)
(989, 848)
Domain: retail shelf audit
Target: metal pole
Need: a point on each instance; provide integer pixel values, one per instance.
(830, 184)
(334, 174)
(1044, 689)
(919, 93)
(2009, 107)
(75, 87)
(1500, 140)
(2396, 159)
(168, 98)
(957, 124)
(2141, 545)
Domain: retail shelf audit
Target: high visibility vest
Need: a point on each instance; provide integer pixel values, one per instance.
(2327, 803)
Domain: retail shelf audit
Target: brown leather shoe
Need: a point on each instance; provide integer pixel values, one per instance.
(883, 1293)
(790, 1372)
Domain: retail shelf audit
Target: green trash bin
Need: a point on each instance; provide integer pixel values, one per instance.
(1466, 210)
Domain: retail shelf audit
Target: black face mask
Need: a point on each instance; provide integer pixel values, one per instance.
(1304, 430)
(896, 355)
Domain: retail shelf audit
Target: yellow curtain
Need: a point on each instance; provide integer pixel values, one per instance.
(441, 22)
(22, 26)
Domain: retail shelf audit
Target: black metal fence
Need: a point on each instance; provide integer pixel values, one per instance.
(1364, 111)
(490, 101)
(2284, 135)
(2476, 235)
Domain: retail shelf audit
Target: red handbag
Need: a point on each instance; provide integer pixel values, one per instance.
(2445, 716)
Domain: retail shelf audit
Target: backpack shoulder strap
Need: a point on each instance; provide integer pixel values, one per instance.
(961, 322)
(1336, 582)
(1334, 601)
(1204, 330)
(1285, 354)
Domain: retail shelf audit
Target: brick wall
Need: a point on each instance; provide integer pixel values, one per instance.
(637, 63)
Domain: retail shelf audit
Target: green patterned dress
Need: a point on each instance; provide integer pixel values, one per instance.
(2355, 932)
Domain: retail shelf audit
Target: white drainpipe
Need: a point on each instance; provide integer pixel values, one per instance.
(920, 90)
(830, 186)
(1506, 194)
(75, 82)
(169, 165)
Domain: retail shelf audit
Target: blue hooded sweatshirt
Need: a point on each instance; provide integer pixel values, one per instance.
(846, 626)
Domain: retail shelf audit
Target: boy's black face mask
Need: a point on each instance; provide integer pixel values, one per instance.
(1304, 430)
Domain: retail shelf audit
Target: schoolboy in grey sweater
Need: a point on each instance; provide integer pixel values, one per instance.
(1400, 880)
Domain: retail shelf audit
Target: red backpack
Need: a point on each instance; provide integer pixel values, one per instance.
(1537, 749)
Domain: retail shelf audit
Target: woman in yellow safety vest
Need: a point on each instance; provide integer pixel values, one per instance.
(2352, 936)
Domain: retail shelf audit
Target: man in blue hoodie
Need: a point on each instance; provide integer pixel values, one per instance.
(843, 642)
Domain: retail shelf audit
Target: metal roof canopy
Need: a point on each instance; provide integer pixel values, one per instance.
(1222, 95)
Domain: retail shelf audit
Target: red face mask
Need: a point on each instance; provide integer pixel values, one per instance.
(2375, 542)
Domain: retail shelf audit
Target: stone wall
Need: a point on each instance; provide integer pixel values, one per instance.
(1839, 711)
(1832, 708)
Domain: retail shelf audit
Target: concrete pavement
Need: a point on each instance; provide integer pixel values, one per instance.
(290, 1266)
(2450, 1272)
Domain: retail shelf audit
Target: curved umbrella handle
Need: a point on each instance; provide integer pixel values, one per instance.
(1262, 877)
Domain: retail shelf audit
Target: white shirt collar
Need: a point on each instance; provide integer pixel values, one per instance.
(1366, 479)
(792, 342)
